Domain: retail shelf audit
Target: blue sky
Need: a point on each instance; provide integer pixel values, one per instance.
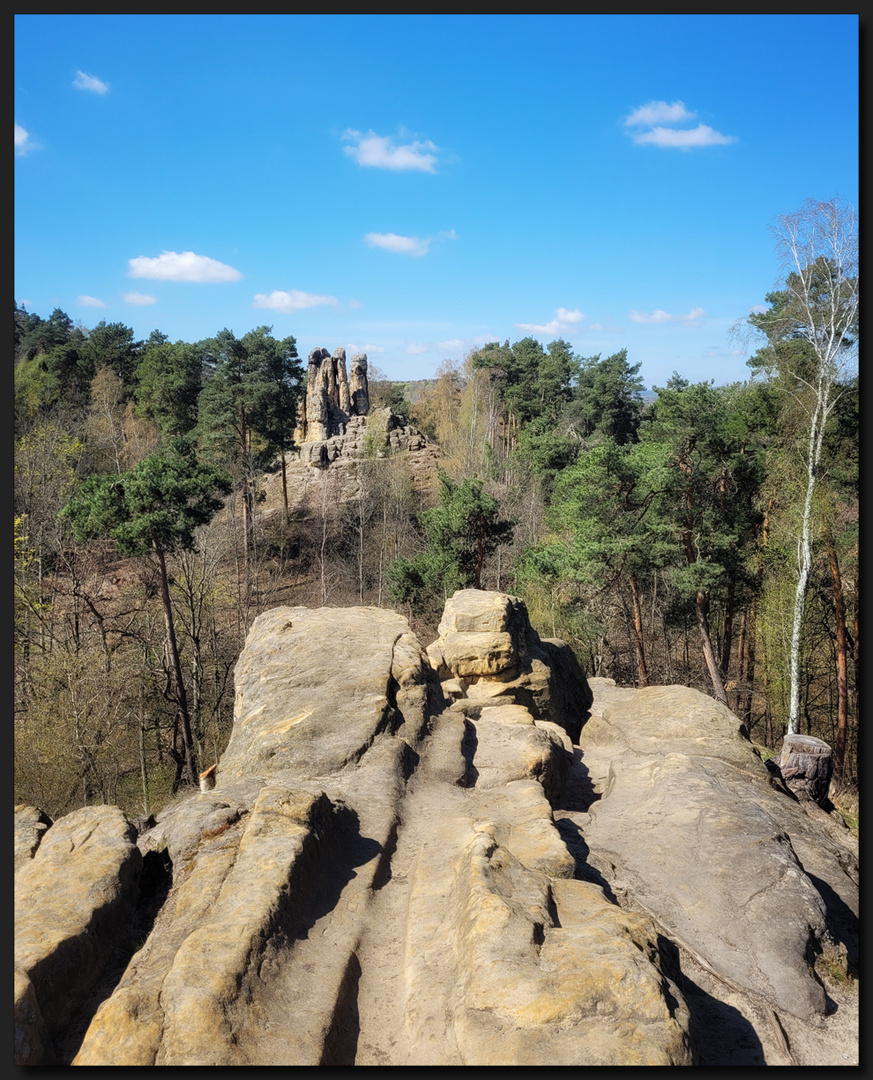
(413, 186)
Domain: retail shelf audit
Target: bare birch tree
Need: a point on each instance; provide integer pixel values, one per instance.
(816, 304)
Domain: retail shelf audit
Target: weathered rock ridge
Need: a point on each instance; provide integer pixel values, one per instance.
(331, 396)
(335, 425)
(457, 856)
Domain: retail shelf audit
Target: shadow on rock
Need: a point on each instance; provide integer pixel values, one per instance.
(341, 1041)
(469, 745)
(572, 836)
(841, 922)
(578, 792)
(336, 870)
(155, 883)
(720, 1034)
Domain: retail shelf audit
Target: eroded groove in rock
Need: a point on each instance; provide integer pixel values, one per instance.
(691, 829)
(73, 903)
(407, 860)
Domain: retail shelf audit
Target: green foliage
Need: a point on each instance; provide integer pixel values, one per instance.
(532, 382)
(247, 406)
(387, 394)
(544, 449)
(607, 402)
(704, 497)
(168, 381)
(462, 531)
(157, 505)
(376, 436)
(52, 364)
(111, 345)
(35, 336)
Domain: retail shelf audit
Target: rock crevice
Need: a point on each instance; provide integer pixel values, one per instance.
(465, 855)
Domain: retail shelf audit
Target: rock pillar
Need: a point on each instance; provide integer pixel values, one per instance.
(360, 390)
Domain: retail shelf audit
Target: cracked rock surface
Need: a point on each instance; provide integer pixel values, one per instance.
(414, 857)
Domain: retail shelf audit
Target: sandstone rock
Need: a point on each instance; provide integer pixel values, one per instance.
(359, 386)
(520, 819)
(30, 826)
(294, 834)
(328, 404)
(297, 710)
(525, 985)
(486, 641)
(73, 901)
(31, 1043)
(181, 1000)
(691, 829)
(377, 877)
(476, 611)
(344, 400)
(508, 746)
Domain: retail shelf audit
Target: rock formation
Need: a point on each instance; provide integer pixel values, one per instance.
(330, 398)
(336, 430)
(420, 857)
(358, 386)
(74, 897)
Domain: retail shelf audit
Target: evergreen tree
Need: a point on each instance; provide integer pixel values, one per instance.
(703, 497)
(607, 402)
(462, 531)
(112, 345)
(247, 406)
(168, 383)
(154, 509)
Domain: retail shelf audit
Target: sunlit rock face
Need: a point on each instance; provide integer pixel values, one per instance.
(465, 855)
(331, 399)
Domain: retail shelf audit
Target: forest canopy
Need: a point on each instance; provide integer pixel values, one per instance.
(658, 534)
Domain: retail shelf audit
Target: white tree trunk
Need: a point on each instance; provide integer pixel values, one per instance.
(819, 254)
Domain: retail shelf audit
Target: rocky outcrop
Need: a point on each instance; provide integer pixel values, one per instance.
(334, 423)
(490, 653)
(362, 437)
(30, 826)
(691, 829)
(347, 467)
(273, 867)
(374, 879)
(73, 901)
(358, 386)
(330, 400)
(416, 858)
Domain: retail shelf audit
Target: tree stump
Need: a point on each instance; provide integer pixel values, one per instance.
(806, 765)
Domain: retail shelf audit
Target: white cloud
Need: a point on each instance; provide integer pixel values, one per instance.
(693, 318)
(381, 152)
(89, 301)
(565, 321)
(416, 347)
(416, 246)
(683, 138)
(84, 81)
(659, 112)
(452, 345)
(356, 304)
(758, 309)
(294, 300)
(655, 124)
(23, 141)
(182, 266)
(138, 298)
